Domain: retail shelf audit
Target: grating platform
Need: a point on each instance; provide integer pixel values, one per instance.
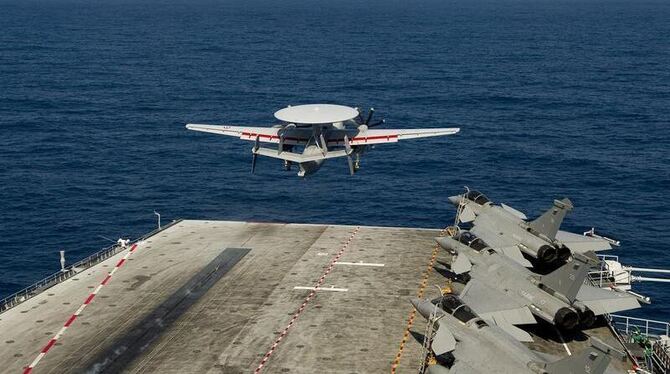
(236, 297)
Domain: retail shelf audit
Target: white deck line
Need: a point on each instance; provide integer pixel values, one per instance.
(358, 263)
(321, 289)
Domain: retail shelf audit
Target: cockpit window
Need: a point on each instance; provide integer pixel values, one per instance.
(466, 238)
(478, 244)
(477, 197)
(454, 306)
(472, 241)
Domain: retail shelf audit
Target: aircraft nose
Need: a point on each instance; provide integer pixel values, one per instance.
(455, 199)
(424, 307)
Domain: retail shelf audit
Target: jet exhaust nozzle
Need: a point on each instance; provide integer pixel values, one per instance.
(566, 319)
(547, 254)
(564, 253)
(586, 318)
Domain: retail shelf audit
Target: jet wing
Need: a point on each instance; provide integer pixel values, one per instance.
(393, 136)
(602, 301)
(294, 136)
(580, 243)
(498, 308)
(484, 229)
(501, 243)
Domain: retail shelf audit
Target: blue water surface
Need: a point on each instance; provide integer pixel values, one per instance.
(555, 98)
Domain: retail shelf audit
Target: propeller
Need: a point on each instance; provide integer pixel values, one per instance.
(364, 125)
(349, 151)
(254, 154)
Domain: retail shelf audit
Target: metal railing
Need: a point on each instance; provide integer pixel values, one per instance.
(648, 327)
(629, 329)
(79, 266)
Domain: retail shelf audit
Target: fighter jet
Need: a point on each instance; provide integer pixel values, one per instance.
(508, 230)
(508, 294)
(310, 134)
(478, 347)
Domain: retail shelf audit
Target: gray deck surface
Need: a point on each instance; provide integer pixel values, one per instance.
(213, 296)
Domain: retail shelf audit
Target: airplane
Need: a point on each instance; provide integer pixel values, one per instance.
(505, 292)
(508, 230)
(310, 134)
(468, 339)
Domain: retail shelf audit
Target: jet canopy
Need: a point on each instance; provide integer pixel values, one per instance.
(454, 306)
(472, 241)
(477, 197)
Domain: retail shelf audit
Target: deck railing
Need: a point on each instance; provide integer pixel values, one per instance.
(79, 266)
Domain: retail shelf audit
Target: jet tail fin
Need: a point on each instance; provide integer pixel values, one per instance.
(568, 279)
(593, 360)
(549, 222)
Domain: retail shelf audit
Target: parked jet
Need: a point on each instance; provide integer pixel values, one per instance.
(478, 347)
(311, 134)
(508, 294)
(507, 229)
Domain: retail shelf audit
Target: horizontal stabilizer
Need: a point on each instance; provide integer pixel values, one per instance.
(297, 157)
(602, 301)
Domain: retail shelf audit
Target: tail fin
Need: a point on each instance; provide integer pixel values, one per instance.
(568, 279)
(593, 360)
(548, 223)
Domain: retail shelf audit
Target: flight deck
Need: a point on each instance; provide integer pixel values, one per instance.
(243, 297)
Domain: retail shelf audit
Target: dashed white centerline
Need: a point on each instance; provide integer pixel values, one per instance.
(331, 288)
(309, 297)
(28, 369)
(360, 263)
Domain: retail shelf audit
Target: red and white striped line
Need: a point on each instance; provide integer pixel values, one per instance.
(76, 314)
(304, 303)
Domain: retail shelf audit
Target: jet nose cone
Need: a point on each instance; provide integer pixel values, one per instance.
(424, 307)
(455, 199)
(446, 243)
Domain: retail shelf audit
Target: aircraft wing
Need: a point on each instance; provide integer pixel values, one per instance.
(498, 308)
(394, 135)
(602, 301)
(264, 134)
(484, 228)
(580, 243)
(501, 243)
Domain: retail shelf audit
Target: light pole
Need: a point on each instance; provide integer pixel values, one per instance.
(158, 215)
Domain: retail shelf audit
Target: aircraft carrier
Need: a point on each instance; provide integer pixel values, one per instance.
(242, 297)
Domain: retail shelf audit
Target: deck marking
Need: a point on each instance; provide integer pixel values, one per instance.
(28, 369)
(558, 332)
(360, 263)
(331, 288)
(309, 297)
(412, 314)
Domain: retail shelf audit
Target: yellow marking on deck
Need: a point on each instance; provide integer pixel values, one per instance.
(412, 315)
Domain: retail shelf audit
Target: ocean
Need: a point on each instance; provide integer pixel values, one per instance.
(555, 99)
